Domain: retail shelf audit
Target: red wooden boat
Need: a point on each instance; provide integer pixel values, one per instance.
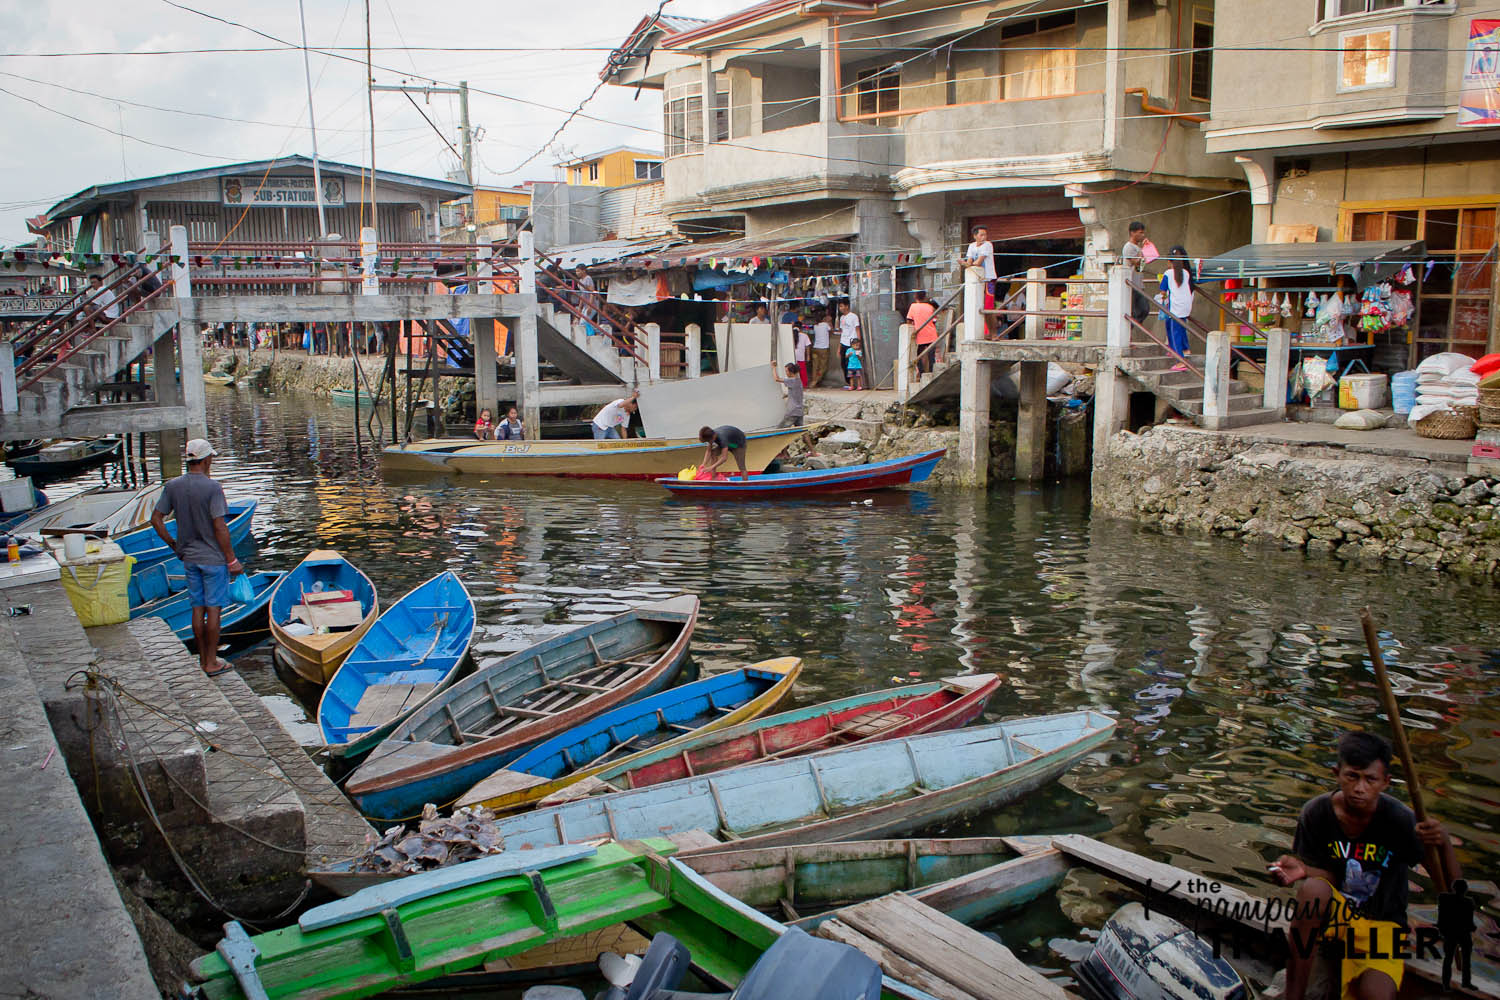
(866, 718)
(812, 482)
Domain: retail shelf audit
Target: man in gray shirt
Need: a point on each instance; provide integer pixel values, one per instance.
(1133, 257)
(202, 543)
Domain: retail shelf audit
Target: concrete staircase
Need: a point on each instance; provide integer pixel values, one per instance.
(59, 403)
(186, 777)
(1149, 368)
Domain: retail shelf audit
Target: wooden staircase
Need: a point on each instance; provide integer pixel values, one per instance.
(1149, 369)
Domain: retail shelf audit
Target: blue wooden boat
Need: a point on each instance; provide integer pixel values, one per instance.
(407, 657)
(813, 482)
(511, 704)
(158, 594)
(315, 656)
(148, 549)
(704, 706)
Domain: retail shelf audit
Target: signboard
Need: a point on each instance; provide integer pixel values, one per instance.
(13, 306)
(1479, 101)
(275, 192)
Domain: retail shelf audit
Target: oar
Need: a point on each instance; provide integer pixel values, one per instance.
(1435, 866)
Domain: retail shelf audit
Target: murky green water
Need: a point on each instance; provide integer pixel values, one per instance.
(1231, 669)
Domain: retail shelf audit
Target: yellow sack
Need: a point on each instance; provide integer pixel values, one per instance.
(689, 474)
(100, 592)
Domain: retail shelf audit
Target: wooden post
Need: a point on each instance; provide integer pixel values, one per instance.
(9, 402)
(653, 348)
(1031, 422)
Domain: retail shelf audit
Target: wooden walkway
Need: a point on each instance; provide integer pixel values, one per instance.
(926, 949)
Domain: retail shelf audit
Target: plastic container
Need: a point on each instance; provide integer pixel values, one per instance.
(1362, 391)
(74, 547)
(16, 495)
(1404, 391)
(98, 584)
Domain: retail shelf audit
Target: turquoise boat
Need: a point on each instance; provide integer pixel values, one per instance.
(411, 653)
(148, 549)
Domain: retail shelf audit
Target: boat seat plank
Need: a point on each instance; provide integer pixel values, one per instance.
(336, 614)
(892, 964)
(383, 702)
(871, 723)
(1015, 875)
(976, 964)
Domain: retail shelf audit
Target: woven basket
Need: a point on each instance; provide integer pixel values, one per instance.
(1489, 416)
(1454, 424)
(1489, 397)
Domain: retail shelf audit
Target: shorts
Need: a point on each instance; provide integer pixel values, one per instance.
(1366, 932)
(208, 586)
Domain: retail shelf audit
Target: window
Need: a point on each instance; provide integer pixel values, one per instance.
(721, 108)
(1201, 63)
(577, 175)
(1038, 65)
(878, 91)
(648, 170)
(1329, 10)
(593, 171)
(1367, 59)
(682, 111)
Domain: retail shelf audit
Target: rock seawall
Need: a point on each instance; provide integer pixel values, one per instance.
(1348, 505)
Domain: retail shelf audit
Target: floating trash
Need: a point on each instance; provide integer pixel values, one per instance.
(435, 842)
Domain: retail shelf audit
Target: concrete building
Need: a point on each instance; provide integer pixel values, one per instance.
(1377, 132)
(496, 212)
(264, 201)
(610, 168)
(902, 125)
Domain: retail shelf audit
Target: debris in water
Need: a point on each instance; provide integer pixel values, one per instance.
(436, 842)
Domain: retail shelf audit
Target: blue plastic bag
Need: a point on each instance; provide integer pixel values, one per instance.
(240, 591)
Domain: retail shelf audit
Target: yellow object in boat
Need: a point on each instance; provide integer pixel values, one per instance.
(689, 474)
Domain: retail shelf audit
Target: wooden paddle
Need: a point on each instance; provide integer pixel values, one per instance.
(1435, 866)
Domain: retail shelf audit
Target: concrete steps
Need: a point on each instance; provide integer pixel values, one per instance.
(229, 796)
(1152, 371)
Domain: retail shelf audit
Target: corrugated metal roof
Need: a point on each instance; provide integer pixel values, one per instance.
(604, 251)
(1272, 260)
(691, 254)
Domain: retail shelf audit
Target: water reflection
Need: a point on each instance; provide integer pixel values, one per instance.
(1231, 668)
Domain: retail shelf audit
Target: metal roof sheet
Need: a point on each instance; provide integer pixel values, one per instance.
(743, 249)
(1271, 260)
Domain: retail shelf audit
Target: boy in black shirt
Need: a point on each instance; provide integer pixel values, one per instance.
(1351, 854)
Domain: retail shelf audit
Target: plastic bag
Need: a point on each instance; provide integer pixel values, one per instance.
(688, 475)
(240, 591)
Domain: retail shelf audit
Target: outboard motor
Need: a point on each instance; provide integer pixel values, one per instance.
(797, 965)
(1155, 958)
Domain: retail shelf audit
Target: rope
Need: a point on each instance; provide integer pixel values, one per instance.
(439, 624)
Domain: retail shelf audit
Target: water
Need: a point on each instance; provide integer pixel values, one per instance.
(1231, 669)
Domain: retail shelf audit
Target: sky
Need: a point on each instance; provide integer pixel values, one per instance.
(210, 108)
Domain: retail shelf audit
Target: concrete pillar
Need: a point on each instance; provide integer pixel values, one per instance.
(1031, 422)
(8, 400)
(165, 364)
(707, 70)
(1036, 295)
(528, 382)
(527, 262)
(369, 256)
(1260, 172)
(1114, 73)
(974, 420)
(1216, 378)
(1278, 357)
(482, 338)
(904, 355)
(973, 325)
(653, 351)
(693, 350)
(1111, 389)
(828, 96)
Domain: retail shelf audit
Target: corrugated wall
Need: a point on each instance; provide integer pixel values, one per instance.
(208, 223)
(629, 212)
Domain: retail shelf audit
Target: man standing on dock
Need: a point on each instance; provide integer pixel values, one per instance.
(203, 545)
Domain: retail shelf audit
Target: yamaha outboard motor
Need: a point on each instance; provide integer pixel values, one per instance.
(797, 965)
(1140, 957)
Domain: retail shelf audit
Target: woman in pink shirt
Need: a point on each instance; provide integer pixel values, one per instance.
(920, 318)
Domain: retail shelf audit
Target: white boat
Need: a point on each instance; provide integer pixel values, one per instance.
(112, 511)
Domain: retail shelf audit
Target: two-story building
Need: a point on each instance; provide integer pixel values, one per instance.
(614, 167)
(1373, 120)
(495, 212)
(903, 124)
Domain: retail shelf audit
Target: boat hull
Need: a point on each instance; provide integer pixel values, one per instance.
(147, 549)
(815, 482)
(111, 511)
(315, 658)
(240, 625)
(43, 469)
(651, 714)
(627, 458)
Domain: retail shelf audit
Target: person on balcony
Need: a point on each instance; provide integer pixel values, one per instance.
(1176, 296)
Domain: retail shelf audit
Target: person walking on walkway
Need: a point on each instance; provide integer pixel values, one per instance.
(203, 545)
(821, 333)
(1177, 298)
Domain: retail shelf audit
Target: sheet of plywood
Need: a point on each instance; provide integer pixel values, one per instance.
(750, 399)
(340, 614)
(383, 702)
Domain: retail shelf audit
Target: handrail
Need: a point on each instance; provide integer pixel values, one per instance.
(34, 330)
(598, 304)
(86, 298)
(1164, 345)
(65, 353)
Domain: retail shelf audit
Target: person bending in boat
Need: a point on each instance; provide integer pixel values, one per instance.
(721, 442)
(614, 418)
(1350, 857)
(511, 428)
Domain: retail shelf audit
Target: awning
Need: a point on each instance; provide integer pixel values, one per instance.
(748, 250)
(1290, 260)
(606, 251)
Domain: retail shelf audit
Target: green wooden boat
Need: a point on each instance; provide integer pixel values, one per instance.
(345, 397)
(435, 923)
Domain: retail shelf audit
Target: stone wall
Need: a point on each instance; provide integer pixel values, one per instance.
(1326, 501)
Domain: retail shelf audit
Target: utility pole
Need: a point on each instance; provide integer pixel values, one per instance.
(313, 125)
(465, 134)
(370, 95)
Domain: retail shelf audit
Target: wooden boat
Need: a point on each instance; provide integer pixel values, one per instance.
(38, 503)
(345, 397)
(864, 718)
(20, 449)
(704, 706)
(628, 458)
(148, 549)
(873, 790)
(411, 653)
(315, 657)
(62, 459)
(99, 510)
(164, 596)
(219, 378)
(813, 482)
(506, 707)
(434, 923)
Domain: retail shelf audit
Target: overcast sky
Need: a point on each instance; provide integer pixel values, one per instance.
(48, 156)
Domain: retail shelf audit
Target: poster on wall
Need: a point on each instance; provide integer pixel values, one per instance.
(1479, 104)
